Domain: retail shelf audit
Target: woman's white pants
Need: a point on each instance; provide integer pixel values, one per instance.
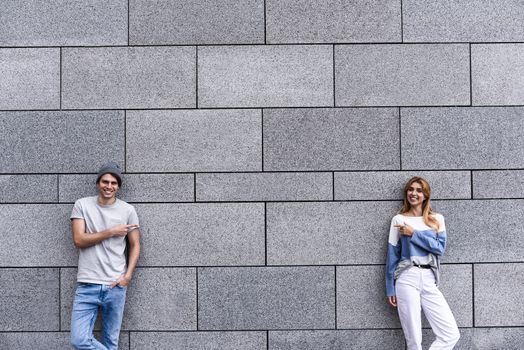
(416, 288)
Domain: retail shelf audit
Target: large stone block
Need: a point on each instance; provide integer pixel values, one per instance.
(29, 299)
(361, 296)
(498, 294)
(483, 230)
(264, 187)
(199, 340)
(41, 142)
(160, 299)
(30, 78)
(265, 76)
(333, 21)
(217, 140)
(246, 298)
(36, 235)
(47, 340)
(342, 339)
(202, 234)
(328, 233)
(402, 75)
(462, 20)
(331, 139)
(390, 185)
(496, 74)
(196, 22)
(483, 339)
(63, 23)
(135, 187)
(28, 188)
(129, 77)
(498, 184)
(462, 138)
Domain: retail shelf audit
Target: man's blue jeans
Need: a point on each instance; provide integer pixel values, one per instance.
(88, 298)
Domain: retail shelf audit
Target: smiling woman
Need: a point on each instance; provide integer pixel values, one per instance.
(417, 240)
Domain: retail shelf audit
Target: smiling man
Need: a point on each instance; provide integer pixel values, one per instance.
(100, 225)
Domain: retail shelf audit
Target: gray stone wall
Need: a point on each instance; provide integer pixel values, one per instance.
(265, 143)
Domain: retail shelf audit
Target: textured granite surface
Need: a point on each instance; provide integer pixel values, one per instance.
(30, 78)
(402, 75)
(332, 21)
(328, 233)
(196, 22)
(135, 187)
(36, 235)
(29, 299)
(128, 77)
(265, 76)
(251, 298)
(336, 340)
(483, 230)
(462, 20)
(389, 185)
(219, 140)
(331, 139)
(63, 23)
(199, 340)
(264, 187)
(498, 295)
(47, 340)
(28, 188)
(41, 141)
(462, 138)
(202, 234)
(498, 184)
(497, 72)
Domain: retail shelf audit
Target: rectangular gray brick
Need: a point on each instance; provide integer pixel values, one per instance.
(498, 184)
(390, 185)
(332, 21)
(202, 234)
(63, 23)
(265, 76)
(360, 304)
(199, 340)
(135, 187)
(402, 75)
(129, 77)
(30, 78)
(191, 140)
(496, 74)
(483, 230)
(498, 294)
(264, 187)
(28, 188)
(41, 142)
(29, 299)
(386, 339)
(331, 139)
(462, 20)
(462, 138)
(36, 235)
(483, 339)
(47, 340)
(159, 299)
(196, 22)
(249, 298)
(328, 233)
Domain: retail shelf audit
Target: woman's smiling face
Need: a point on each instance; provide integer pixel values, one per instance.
(415, 194)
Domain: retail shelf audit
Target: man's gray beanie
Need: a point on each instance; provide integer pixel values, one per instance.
(110, 168)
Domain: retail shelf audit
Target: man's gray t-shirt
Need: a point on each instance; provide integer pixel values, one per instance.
(104, 262)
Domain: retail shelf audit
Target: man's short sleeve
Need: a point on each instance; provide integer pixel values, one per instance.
(77, 212)
(133, 217)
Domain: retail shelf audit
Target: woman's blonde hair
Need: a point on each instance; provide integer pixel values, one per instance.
(427, 212)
